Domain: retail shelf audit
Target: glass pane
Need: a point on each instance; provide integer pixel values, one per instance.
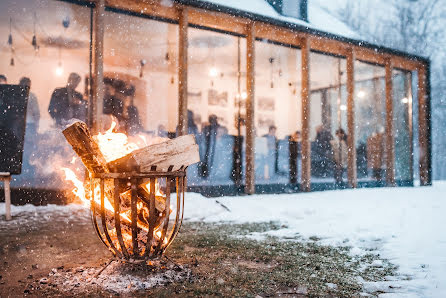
(49, 40)
(402, 101)
(214, 88)
(328, 119)
(370, 116)
(277, 113)
(140, 74)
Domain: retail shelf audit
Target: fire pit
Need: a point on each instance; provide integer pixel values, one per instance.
(150, 235)
(130, 193)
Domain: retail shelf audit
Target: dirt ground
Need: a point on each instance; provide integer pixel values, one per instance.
(42, 253)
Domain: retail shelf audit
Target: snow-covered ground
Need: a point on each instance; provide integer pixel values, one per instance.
(403, 225)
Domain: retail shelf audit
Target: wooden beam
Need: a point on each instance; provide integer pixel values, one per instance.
(182, 72)
(97, 86)
(218, 20)
(236, 24)
(409, 96)
(424, 127)
(250, 125)
(390, 140)
(152, 8)
(277, 34)
(351, 140)
(305, 97)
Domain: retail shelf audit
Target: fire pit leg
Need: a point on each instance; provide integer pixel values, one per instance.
(152, 217)
(104, 222)
(134, 213)
(117, 207)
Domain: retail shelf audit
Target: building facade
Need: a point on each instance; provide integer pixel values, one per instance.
(276, 103)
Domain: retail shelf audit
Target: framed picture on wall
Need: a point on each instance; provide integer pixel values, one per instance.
(265, 104)
(219, 99)
(194, 97)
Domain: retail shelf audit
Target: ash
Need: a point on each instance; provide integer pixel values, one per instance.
(117, 278)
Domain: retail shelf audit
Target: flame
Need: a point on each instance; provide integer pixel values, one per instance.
(114, 145)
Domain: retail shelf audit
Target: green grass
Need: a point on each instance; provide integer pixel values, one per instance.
(225, 264)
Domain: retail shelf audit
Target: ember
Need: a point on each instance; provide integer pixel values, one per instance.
(129, 188)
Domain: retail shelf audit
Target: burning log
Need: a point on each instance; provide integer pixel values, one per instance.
(79, 137)
(171, 155)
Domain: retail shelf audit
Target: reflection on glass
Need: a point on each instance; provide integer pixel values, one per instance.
(216, 100)
(277, 113)
(44, 42)
(328, 119)
(402, 100)
(140, 74)
(370, 116)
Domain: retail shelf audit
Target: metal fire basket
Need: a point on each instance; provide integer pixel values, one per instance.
(174, 181)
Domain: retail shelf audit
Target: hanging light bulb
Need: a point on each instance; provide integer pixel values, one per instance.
(34, 40)
(10, 33)
(59, 69)
(213, 72)
(142, 62)
(361, 93)
(244, 95)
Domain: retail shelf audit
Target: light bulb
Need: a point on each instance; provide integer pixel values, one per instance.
(213, 72)
(59, 70)
(361, 93)
(343, 107)
(244, 95)
(405, 100)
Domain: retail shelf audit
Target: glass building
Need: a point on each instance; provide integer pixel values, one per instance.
(275, 105)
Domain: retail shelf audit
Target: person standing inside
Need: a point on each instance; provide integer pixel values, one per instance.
(32, 126)
(339, 147)
(272, 158)
(67, 103)
(210, 139)
(32, 111)
(130, 113)
(294, 148)
(3, 80)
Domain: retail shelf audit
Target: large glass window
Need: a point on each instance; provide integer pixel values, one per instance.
(216, 98)
(140, 74)
(44, 42)
(328, 119)
(370, 117)
(402, 101)
(277, 113)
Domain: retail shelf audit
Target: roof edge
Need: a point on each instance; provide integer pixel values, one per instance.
(257, 17)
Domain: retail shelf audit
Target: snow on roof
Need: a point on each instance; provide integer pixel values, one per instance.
(319, 18)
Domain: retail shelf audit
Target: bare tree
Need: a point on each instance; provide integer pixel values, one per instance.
(414, 26)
